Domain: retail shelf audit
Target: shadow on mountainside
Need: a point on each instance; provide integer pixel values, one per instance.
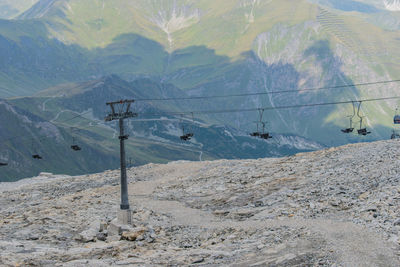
(192, 71)
(197, 70)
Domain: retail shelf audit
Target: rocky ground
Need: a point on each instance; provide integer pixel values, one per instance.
(337, 207)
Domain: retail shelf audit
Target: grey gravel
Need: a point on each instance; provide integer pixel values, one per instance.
(336, 207)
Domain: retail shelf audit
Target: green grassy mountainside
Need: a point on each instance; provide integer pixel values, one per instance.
(162, 48)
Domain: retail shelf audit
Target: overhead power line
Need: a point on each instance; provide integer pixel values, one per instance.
(265, 93)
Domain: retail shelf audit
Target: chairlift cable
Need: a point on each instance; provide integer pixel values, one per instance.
(268, 108)
(227, 111)
(266, 93)
(29, 136)
(248, 94)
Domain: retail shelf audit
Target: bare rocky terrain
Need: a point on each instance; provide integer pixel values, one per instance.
(337, 207)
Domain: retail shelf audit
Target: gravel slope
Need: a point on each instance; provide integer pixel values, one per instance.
(337, 207)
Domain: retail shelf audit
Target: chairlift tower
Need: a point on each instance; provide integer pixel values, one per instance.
(120, 110)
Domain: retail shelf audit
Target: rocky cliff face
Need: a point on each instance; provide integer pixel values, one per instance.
(337, 207)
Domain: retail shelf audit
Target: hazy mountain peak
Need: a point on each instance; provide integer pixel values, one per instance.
(11, 8)
(39, 10)
(392, 5)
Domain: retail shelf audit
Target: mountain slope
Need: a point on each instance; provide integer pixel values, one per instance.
(24, 134)
(11, 8)
(76, 113)
(332, 207)
(198, 48)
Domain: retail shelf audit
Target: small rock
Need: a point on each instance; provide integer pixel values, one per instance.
(221, 212)
(334, 203)
(140, 237)
(198, 260)
(363, 196)
(87, 236)
(134, 234)
(102, 236)
(113, 238)
(371, 208)
(149, 239)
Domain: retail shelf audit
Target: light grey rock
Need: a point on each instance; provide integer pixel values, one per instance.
(88, 235)
(102, 236)
(222, 212)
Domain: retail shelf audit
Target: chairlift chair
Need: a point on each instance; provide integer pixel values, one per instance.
(395, 135)
(74, 146)
(347, 130)
(186, 136)
(35, 155)
(361, 131)
(396, 118)
(3, 164)
(256, 133)
(264, 135)
(351, 128)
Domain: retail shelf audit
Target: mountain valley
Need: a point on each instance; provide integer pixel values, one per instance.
(54, 52)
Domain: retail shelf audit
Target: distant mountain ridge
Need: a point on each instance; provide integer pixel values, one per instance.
(203, 48)
(53, 120)
(11, 8)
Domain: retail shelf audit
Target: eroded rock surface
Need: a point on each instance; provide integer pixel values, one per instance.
(337, 207)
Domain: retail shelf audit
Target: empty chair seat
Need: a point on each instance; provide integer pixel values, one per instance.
(187, 137)
(363, 131)
(76, 148)
(265, 136)
(348, 130)
(396, 119)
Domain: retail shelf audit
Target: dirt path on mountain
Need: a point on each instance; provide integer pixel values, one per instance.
(353, 245)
